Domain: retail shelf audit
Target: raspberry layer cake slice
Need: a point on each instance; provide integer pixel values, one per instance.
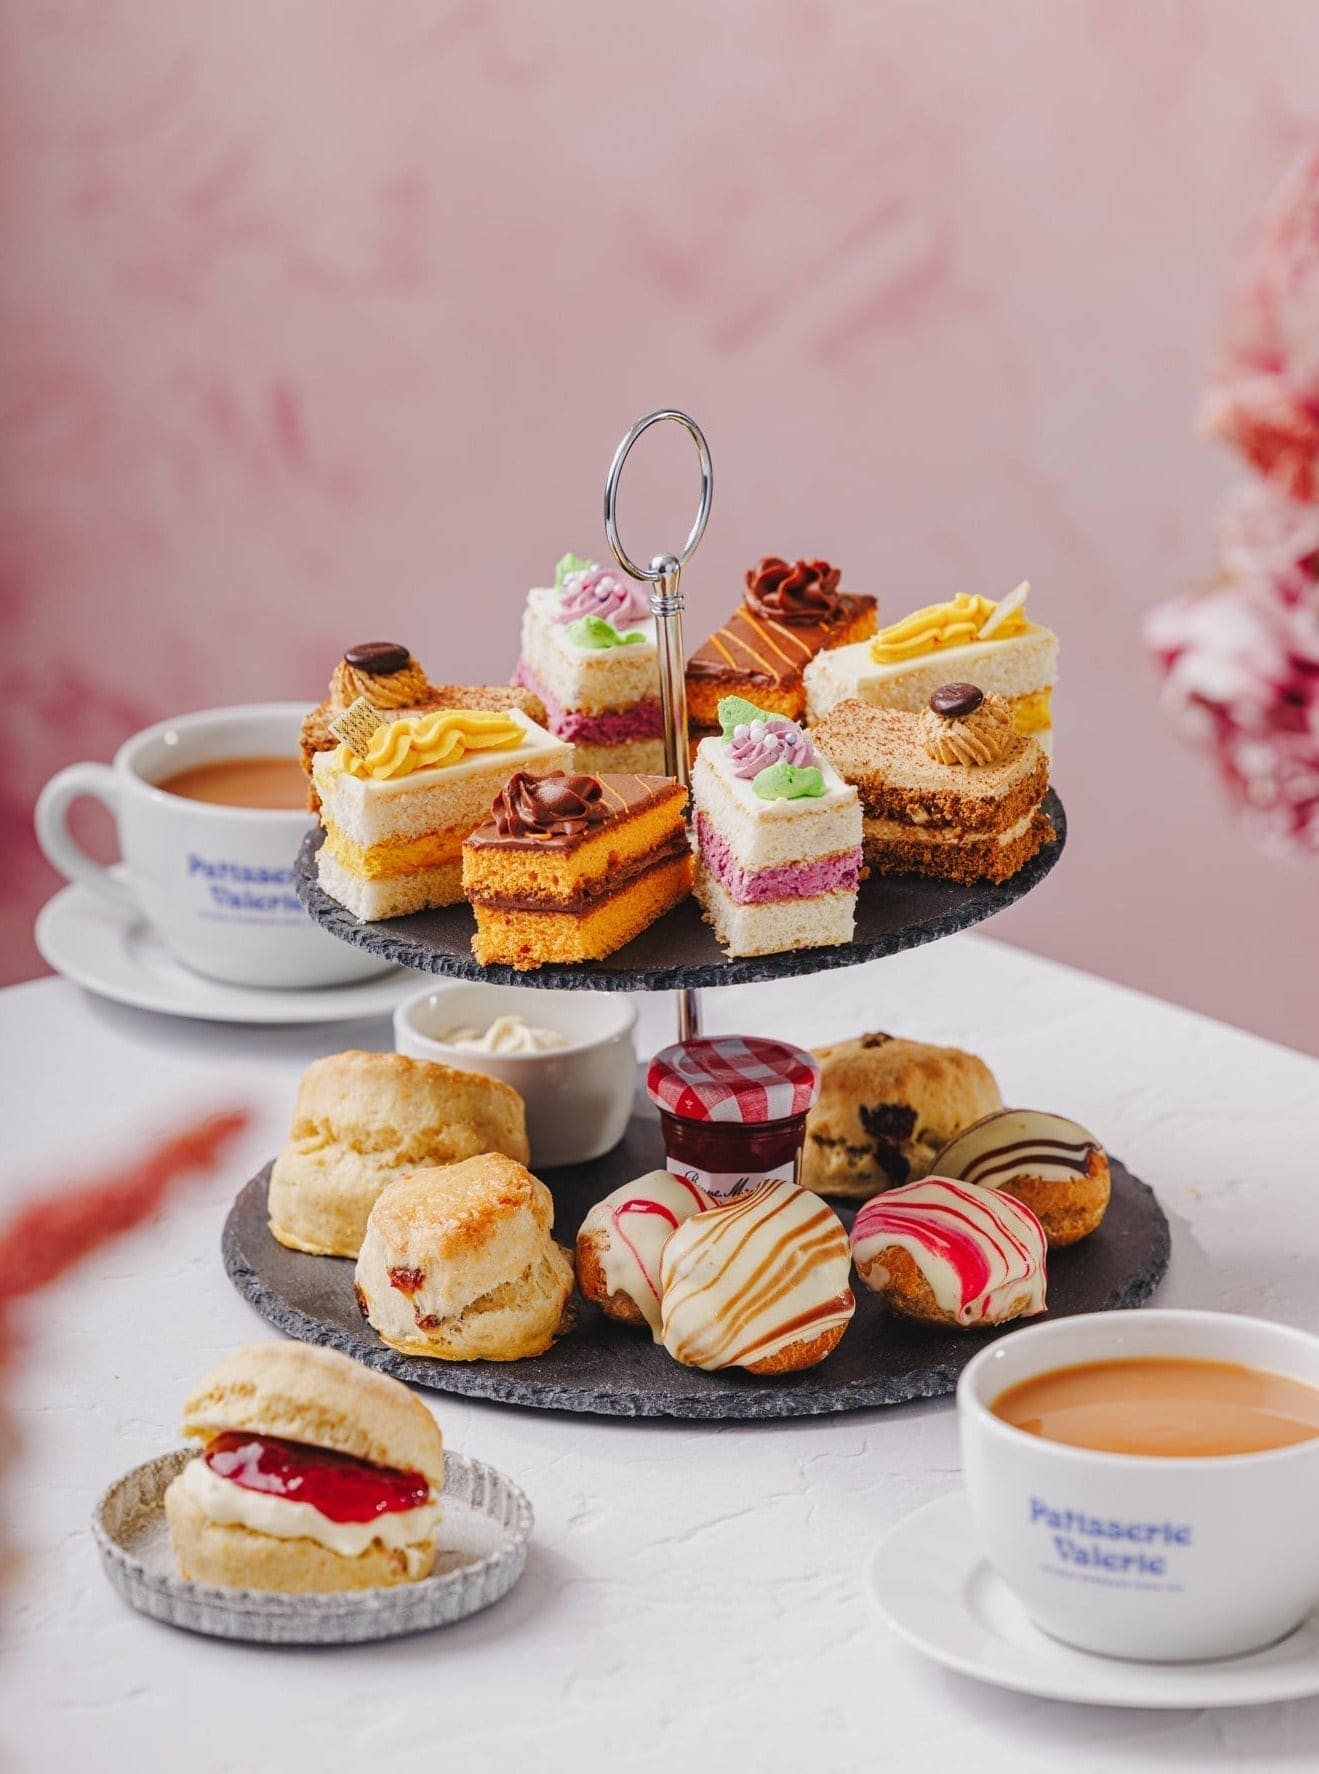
(968, 638)
(778, 834)
(570, 868)
(789, 612)
(395, 818)
(952, 792)
(589, 654)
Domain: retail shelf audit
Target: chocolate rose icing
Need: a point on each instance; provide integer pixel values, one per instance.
(556, 806)
(806, 591)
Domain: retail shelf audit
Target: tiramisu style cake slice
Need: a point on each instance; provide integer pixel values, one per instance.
(779, 836)
(952, 792)
(570, 868)
(788, 613)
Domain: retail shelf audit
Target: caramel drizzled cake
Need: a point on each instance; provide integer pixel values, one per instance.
(396, 812)
(589, 654)
(395, 685)
(779, 836)
(788, 614)
(969, 638)
(570, 868)
(952, 792)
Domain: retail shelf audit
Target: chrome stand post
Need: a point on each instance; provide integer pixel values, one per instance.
(664, 575)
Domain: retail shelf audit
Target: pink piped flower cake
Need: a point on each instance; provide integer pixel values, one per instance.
(778, 834)
(589, 653)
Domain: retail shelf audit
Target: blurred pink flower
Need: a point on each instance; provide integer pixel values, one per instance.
(1264, 397)
(1240, 668)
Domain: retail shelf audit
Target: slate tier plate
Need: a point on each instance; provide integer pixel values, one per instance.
(894, 912)
(607, 1368)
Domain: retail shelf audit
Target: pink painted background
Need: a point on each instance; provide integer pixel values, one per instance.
(320, 322)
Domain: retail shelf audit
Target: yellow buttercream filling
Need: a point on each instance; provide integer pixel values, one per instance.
(430, 742)
(938, 626)
(1033, 713)
(396, 856)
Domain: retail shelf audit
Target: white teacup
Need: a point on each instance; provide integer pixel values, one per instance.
(214, 882)
(579, 1097)
(1162, 1559)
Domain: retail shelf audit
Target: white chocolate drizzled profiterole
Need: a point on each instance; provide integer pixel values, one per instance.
(1018, 1142)
(981, 1253)
(633, 1225)
(745, 1282)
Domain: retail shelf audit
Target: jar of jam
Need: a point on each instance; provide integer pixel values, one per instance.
(733, 1109)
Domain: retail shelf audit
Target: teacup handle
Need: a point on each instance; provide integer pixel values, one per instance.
(101, 783)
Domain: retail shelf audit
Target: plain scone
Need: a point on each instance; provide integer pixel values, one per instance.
(886, 1106)
(459, 1263)
(302, 1393)
(363, 1119)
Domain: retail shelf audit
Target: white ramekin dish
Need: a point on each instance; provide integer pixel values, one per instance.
(1162, 1559)
(578, 1097)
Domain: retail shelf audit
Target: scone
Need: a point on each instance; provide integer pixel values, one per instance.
(1058, 1169)
(885, 1107)
(758, 1282)
(458, 1262)
(315, 1474)
(951, 1254)
(621, 1240)
(362, 1119)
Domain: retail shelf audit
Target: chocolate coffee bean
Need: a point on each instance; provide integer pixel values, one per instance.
(951, 700)
(381, 658)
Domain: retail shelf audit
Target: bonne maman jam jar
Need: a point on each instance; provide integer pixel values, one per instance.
(733, 1109)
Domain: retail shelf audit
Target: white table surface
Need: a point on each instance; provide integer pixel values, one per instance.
(694, 1595)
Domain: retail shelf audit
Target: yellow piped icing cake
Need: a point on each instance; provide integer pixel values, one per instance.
(969, 638)
(395, 818)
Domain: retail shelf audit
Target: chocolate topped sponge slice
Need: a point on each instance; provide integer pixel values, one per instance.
(789, 613)
(922, 815)
(570, 867)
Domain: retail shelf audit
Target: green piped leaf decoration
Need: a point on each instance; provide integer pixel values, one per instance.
(594, 631)
(571, 563)
(735, 712)
(785, 782)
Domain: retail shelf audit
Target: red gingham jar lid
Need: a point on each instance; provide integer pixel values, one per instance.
(733, 1078)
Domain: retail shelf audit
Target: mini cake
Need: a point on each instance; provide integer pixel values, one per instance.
(570, 868)
(395, 819)
(458, 1263)
(952, 792)
(778, 834)
(363, 1119)
(315, 1474)
(1058, 1169)
(971, 638)
(788, 614)
(951, 1254)
(758, 1282)
(885, 1108)
(621, 1240)
(394, 684)
(589, 654)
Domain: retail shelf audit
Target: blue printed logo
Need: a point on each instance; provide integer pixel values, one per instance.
(1108, 1544)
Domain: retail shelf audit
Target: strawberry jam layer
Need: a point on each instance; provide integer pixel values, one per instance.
(341, 1488)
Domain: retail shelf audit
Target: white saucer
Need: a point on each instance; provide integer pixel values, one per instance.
(933, 1582)
(112, 952)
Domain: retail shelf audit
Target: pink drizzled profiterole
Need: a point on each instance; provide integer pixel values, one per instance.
(978, 1250)
(637, 1221)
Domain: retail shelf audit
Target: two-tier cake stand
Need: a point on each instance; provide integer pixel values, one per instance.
(601, 1366)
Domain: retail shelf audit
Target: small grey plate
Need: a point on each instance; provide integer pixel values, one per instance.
(482, 1535)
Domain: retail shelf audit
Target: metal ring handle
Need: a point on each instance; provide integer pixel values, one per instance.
(662, 564)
